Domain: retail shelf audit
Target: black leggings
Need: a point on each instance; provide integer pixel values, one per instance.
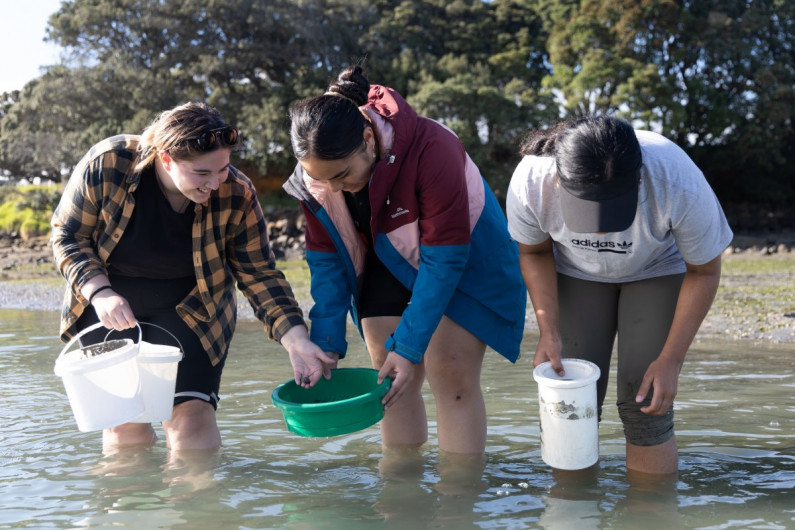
(641, 312)
(154, 302)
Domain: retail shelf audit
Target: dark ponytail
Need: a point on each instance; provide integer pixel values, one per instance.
(592, 150)
(331, 126)
(542, 142)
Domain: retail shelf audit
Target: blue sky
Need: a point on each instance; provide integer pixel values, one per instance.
(22, 51)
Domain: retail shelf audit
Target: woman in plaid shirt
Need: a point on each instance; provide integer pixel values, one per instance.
(159, 228)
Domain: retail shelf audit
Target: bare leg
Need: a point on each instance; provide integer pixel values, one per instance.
(650, 502)
(128, 434)
(190, 471)
(461, 473)
(405, 423)
(657, 459)
(402, 463)
(453, 362)
(192, 426)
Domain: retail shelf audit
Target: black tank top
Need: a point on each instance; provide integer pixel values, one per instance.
(157, 241)
(359, 206)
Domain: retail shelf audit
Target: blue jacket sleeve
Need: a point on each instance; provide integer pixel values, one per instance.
(440, 271)
(332, 297)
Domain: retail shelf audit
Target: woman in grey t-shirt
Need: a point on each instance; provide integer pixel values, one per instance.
(619, 235)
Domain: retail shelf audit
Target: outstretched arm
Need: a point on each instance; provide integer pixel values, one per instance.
(538, 270)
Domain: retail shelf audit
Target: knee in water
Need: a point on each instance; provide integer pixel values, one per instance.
(644, 429)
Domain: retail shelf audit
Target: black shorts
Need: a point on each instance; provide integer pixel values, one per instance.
(155, 301)
(381, 295)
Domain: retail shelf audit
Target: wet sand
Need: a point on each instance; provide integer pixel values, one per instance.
(756, 300)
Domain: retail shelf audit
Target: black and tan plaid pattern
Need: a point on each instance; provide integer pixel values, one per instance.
(230, 246)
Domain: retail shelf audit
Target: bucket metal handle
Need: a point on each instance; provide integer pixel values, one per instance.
(92, 328)
(181, 349)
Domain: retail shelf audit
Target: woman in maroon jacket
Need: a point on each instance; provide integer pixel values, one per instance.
(404, 233)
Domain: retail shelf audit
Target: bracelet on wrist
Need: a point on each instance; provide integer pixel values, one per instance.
(98, 290)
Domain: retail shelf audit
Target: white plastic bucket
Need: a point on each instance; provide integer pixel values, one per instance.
(103, 390)
(158, 368)
(568, 413)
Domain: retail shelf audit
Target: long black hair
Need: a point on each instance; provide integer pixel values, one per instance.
(331, 126)
(592, 150)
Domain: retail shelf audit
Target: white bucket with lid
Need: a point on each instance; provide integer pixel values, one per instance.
(569, 414)
(102, 381)
(158, 369)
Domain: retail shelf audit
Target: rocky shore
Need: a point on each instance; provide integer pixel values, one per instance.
(756, 301)
(19, 256)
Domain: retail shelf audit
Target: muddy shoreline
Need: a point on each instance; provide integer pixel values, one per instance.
(756, 301)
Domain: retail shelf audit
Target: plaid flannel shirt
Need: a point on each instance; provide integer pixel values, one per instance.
(230, 245)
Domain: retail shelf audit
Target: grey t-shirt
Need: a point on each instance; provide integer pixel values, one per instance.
(678, 219)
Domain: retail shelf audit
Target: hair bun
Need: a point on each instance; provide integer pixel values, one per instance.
(352, 84)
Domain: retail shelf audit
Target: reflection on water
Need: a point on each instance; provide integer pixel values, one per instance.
(735, 427)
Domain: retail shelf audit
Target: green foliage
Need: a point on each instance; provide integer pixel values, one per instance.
(27, 209)
(40, 198)
(474, 66)
(273, 200)
(714, 76)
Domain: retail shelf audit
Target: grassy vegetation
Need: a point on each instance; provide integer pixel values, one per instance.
(759, 285)
(27, 209)
(297, 273)
(754, 284)
(756, 299)
(27, 271)
(737, 265)
(276, 199)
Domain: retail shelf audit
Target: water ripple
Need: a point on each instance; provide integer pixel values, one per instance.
(735, 431)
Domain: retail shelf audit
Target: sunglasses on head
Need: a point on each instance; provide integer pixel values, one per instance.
(207, 140)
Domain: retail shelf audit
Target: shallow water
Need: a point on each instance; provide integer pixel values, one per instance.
(735, 427)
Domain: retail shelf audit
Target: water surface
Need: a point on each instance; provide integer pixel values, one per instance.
(735, 425)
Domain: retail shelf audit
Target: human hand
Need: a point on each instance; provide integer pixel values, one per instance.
(401, 371)
(309, 361)
(663, 376)
(549, 349)
(113, 310)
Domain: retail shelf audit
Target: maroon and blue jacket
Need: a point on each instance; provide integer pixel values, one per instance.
(436, 225)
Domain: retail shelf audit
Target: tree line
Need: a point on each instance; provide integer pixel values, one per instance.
(715, 76)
